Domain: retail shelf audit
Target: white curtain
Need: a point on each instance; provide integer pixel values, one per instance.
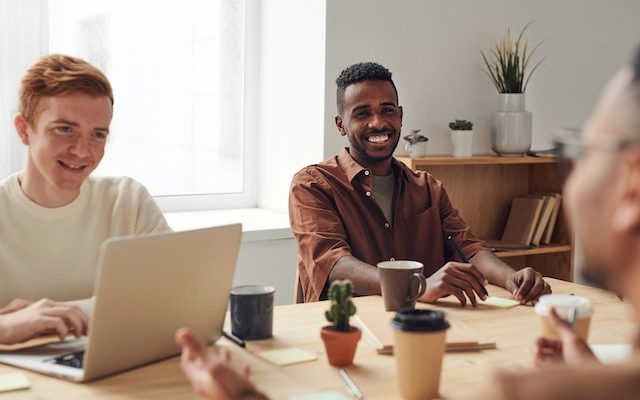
(23, 38)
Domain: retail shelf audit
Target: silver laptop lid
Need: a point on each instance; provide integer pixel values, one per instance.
(147, 287)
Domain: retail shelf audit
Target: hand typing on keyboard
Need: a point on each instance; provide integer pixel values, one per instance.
(22, 320)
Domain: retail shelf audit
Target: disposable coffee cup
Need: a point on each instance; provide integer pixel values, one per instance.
(563, 303)
(402, 283)
(252, 311)
(418, 347)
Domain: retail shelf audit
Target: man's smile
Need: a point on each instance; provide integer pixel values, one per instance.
(378, 138)
(71, 167)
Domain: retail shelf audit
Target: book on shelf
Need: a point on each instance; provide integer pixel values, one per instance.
(531, 222)
(545, 215)
(522, 220)
(553, 219)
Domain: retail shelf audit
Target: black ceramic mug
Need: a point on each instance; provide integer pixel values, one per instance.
(252, 311)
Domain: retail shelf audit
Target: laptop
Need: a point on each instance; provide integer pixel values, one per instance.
(146, 288)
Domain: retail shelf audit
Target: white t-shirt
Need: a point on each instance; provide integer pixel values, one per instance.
(53, 252)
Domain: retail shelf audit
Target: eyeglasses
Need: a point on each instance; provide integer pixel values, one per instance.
(571, 147)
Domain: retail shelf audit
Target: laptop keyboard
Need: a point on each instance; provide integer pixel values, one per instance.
(70, 360)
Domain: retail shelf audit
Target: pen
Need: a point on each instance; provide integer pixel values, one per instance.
(571, 316)
(233, 338)
(350, 384)
(454, 247)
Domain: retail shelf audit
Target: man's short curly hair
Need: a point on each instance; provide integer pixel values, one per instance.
(55, 75)
(367, 71)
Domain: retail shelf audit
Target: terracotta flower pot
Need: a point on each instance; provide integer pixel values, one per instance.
(340, 346)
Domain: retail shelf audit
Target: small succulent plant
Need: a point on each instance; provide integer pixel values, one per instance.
(342, 308)
(414, 138)
(461, 125)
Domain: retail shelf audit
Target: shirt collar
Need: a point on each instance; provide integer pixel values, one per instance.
(353, 169)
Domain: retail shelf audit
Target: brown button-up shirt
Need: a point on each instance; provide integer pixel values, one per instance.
(333, 213)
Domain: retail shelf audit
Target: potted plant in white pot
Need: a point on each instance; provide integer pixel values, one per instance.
(340, 339)
(461, 137)
(416, 144)
(507, 66)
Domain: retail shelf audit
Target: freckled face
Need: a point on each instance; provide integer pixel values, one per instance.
(67, 141)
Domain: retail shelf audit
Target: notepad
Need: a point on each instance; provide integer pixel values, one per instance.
(38, 341)
(328, 395)
(288, 356)
(499, 302)
(13, 381)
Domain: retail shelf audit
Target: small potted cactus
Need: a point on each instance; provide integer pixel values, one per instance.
(461, 137)
(340, 339)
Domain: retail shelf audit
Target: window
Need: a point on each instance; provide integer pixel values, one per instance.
(180, 71)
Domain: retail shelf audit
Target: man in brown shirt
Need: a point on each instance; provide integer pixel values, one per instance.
(362, 207)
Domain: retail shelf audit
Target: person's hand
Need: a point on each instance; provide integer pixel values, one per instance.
(211, 374)
(526, 285)
(42, 317)
(458, 279)
(15, 305)
(569, 348)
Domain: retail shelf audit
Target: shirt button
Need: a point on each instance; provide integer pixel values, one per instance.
(368, 194)
(386, 224)
(392, 259)
(366, 173)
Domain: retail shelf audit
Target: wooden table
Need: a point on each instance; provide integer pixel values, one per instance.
(298, 325)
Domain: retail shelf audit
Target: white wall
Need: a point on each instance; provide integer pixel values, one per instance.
(432, 48)
(291, 99)
(268, 262)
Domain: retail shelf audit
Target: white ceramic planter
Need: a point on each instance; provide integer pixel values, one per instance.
(417, 150)
(511, 126)
(462, 143)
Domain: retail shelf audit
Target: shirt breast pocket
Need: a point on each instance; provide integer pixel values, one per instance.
(427, 223)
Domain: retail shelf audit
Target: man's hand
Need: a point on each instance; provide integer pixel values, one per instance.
(569, 349)
(211, 374)
(15, 305)
(42, 317)
(458, 279)
(526, 285)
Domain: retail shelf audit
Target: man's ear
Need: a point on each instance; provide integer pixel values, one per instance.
(21, 125)
(340, 125)
(401, 114)
(626, 217)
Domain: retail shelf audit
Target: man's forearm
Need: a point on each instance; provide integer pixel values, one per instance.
(494, 269)
(365, 277)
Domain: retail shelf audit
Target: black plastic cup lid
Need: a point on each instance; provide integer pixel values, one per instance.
(419, 320)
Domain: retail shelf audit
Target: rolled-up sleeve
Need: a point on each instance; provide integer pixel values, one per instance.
(318, 229)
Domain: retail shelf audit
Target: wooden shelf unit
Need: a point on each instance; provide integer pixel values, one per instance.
(482, 188)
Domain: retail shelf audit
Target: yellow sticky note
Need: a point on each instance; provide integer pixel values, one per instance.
(13, 381)
(282, 357)
(499, 302)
